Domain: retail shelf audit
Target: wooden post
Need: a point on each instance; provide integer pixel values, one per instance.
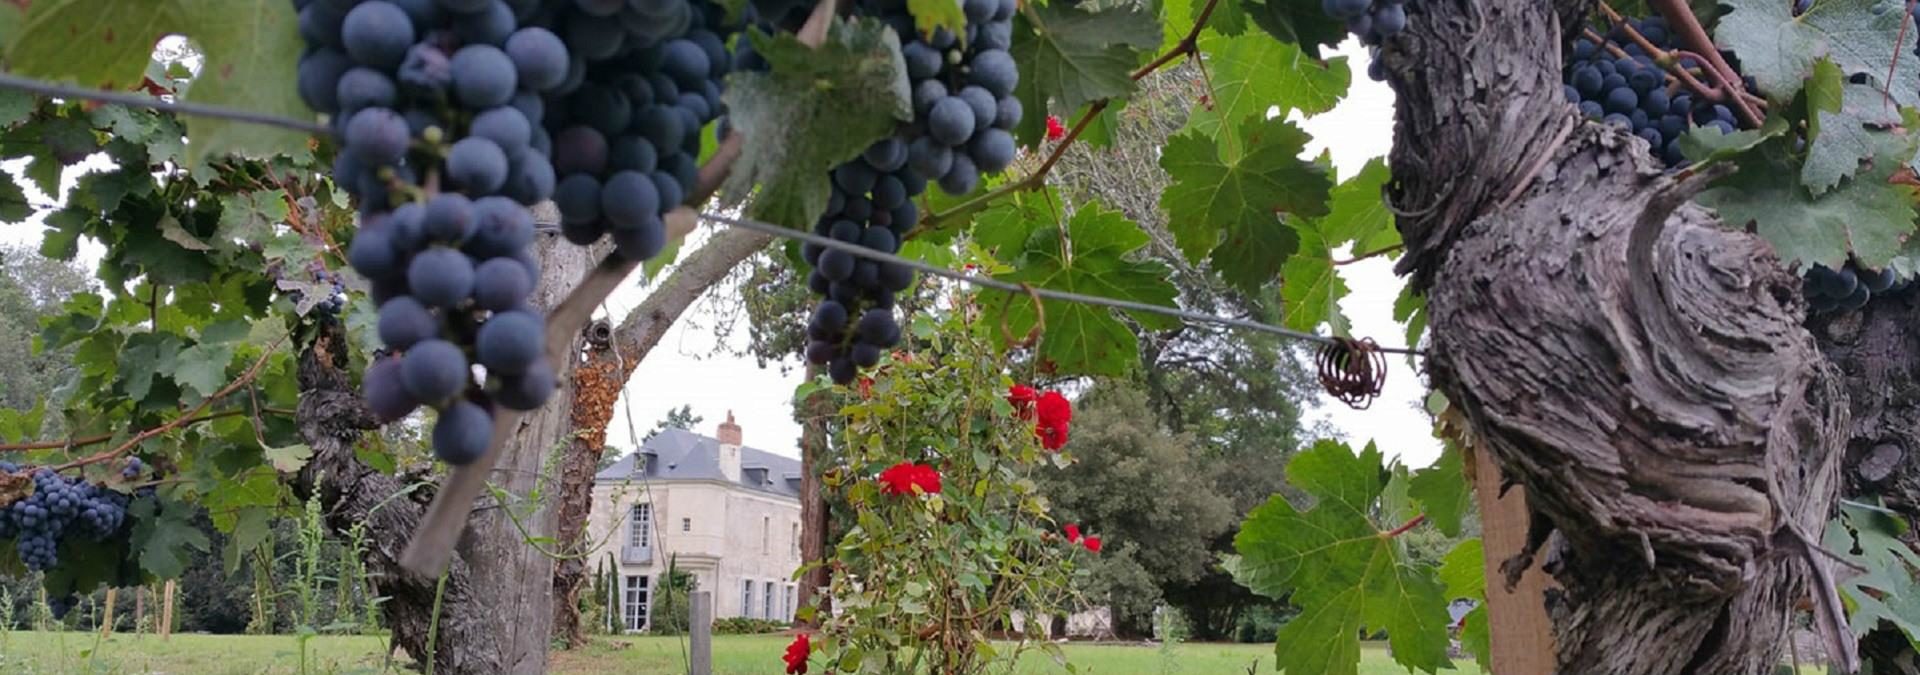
(700, 647)
(106, 622)
(166, 611)
(1517, 620)
(139, 608)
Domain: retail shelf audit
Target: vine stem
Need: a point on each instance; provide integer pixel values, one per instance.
(1680, 17)
(1371, 254)
(433, 539)
(1188, 46)
(1404, 528)
(102, 438)
(131, 443)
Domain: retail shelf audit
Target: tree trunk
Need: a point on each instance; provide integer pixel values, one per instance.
(813, 505)
(490, 619)
(610, 358)
(1639, 368)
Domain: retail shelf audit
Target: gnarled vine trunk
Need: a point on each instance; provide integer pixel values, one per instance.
(1639, 367)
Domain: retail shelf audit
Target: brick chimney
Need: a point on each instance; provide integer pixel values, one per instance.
(730, 438)
(730, 432)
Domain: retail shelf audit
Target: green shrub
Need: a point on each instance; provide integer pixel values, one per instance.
(739, 625)
(1261, 623)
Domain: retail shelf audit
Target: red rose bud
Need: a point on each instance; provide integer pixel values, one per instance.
(1092, 544)
(796, 656)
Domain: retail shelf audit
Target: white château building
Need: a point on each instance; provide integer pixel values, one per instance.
(728, 514)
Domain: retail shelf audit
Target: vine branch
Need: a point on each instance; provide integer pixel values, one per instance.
(102, 438)
(1188, 46)
(131, 443)
(1681, 19)
(1372, 254)
(1405, 527)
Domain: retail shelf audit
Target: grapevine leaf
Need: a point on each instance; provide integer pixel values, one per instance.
(290, 458)
(1332, 562)
(15, 106)
(162, 535)
(1356, 212)
(247, 51)
(1230, 208)
(1071, 56)
(202, 367)
(1867, 216)
(1229, 18)
(1477, 637)
(1707, 144)
(815, 109)
(1887, 591)
(931, 14)
(1411, 309)
(1310, 288)
(1094, 257)
(1779, 49)
(13, 202)
(1464, 570)
(171, 230)
(1842, 124)
(1002, 230)
(250, 526)
(1252, 73)
(1298, 22)
(250, 217)
(1442, 491)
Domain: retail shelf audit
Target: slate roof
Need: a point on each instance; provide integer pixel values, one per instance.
(678, 454)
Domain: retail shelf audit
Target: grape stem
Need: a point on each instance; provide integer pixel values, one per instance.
(1188, 46)
(1403, 529)
(1681, 19)
(433, 540)
(193, 416)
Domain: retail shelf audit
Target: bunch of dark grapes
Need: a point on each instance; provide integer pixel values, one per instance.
(1373, 21)
(1632, 91)
(59, 508)
(964, 110)
(1848, 288)
(454, 116)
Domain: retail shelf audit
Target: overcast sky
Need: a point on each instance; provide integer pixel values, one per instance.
(686, 370)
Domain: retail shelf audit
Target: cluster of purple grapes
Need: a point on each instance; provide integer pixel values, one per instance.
(1634, 92)
(1373, 21)
(338, 299)
(964, 109)
(455, 115)
(1848, 288)
(58, 508)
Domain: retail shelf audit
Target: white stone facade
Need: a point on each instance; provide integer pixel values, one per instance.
(739, 537)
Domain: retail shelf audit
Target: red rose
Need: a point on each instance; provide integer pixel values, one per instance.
(796, 656)
(902, 478)
(1054, 409)
(1073, 533)
(1054, 130)
(1092, 544)
(1052, 438)
(1022, 398)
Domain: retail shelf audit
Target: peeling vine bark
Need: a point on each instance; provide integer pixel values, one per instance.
(1638, 367)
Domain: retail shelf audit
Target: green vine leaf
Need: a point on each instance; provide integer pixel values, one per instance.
(1356, 212)
(1887, 591)
(815, 109)
(1442, 491)
(1310, 288)
(1411, 309)
(1253, 73)
(1070, 56)
(249, 51)
(1229, 208)
(1333, 563)
(1779, 49)
(1299, 22)
(163, 535)
(1866, 216)
(1094, 255)
(1843, 123)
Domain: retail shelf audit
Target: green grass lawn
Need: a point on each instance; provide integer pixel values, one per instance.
(29, 653)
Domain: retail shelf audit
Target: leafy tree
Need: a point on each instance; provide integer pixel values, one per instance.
(33, 288)
(677, 418)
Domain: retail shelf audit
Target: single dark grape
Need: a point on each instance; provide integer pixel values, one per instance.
(509, 342)
(434, 371)
(483, 76)
(377, 136)
(441, 277)
(462, 433)
(376, 33)
(528, 390)
(404, 322)
(386, 394)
